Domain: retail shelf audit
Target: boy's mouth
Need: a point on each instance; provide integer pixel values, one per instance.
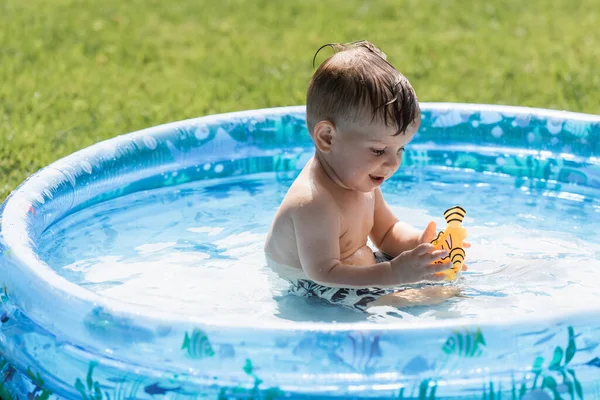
(377, 179)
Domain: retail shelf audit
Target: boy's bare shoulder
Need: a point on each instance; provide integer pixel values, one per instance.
(307, 195)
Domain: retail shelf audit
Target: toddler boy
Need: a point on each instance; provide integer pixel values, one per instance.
(361, 114)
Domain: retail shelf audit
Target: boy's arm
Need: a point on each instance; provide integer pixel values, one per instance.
(389, 234)
(317, 229)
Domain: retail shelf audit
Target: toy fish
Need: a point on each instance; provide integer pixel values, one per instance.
(451, 239)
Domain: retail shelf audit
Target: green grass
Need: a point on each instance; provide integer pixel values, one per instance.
(76, 72)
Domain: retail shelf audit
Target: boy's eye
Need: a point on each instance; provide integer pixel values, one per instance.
(401, 150)
(378, 152)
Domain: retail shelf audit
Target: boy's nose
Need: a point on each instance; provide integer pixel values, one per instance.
(393, 160)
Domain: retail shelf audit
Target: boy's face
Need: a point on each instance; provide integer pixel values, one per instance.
(364, 154)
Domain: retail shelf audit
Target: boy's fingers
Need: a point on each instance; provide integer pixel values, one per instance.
(464, 268)
(434, 255)
(433, 268)
(423, 249)
(466, 245)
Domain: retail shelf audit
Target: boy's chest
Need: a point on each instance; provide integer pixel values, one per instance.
(357, 217)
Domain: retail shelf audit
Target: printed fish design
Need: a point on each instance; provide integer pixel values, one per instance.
(14, 323)
(580, 129)
(451, 239)
(9, 373)
(417, 365)
(545, 339)
(7, 252)
(595, 362)
(534, 333)
(465, 344)
(356, 351)
(103, 325)
(155, 389)
(197, 345)
(360, 351)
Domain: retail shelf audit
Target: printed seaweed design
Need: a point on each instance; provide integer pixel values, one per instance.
(197, 345)
(5, 394)
(489, 393)
(464, 343)
(126, 389)
(239, 392)
(39, 391)
(550, 382)
(91, 390)
(427, 391)
(3, 299)
(557, 368)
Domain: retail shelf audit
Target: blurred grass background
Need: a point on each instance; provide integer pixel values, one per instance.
(73, 72)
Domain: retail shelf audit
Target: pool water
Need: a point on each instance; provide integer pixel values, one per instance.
(196, 249)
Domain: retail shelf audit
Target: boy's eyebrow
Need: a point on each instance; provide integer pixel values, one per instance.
(383, 141)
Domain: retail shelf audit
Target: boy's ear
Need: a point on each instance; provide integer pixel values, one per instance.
(324, 135)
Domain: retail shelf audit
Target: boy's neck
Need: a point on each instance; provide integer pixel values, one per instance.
(328, 171)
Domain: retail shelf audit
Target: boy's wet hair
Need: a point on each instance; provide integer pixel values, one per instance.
(359, 79)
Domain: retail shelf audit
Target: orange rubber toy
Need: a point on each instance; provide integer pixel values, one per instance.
(452, 239)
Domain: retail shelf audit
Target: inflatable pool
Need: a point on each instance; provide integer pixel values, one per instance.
(132, 269)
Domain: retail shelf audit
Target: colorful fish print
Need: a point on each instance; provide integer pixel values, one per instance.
(465, 344)
(197, 345)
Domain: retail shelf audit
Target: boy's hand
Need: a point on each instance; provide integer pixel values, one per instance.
(430, 233)
(416, 265)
